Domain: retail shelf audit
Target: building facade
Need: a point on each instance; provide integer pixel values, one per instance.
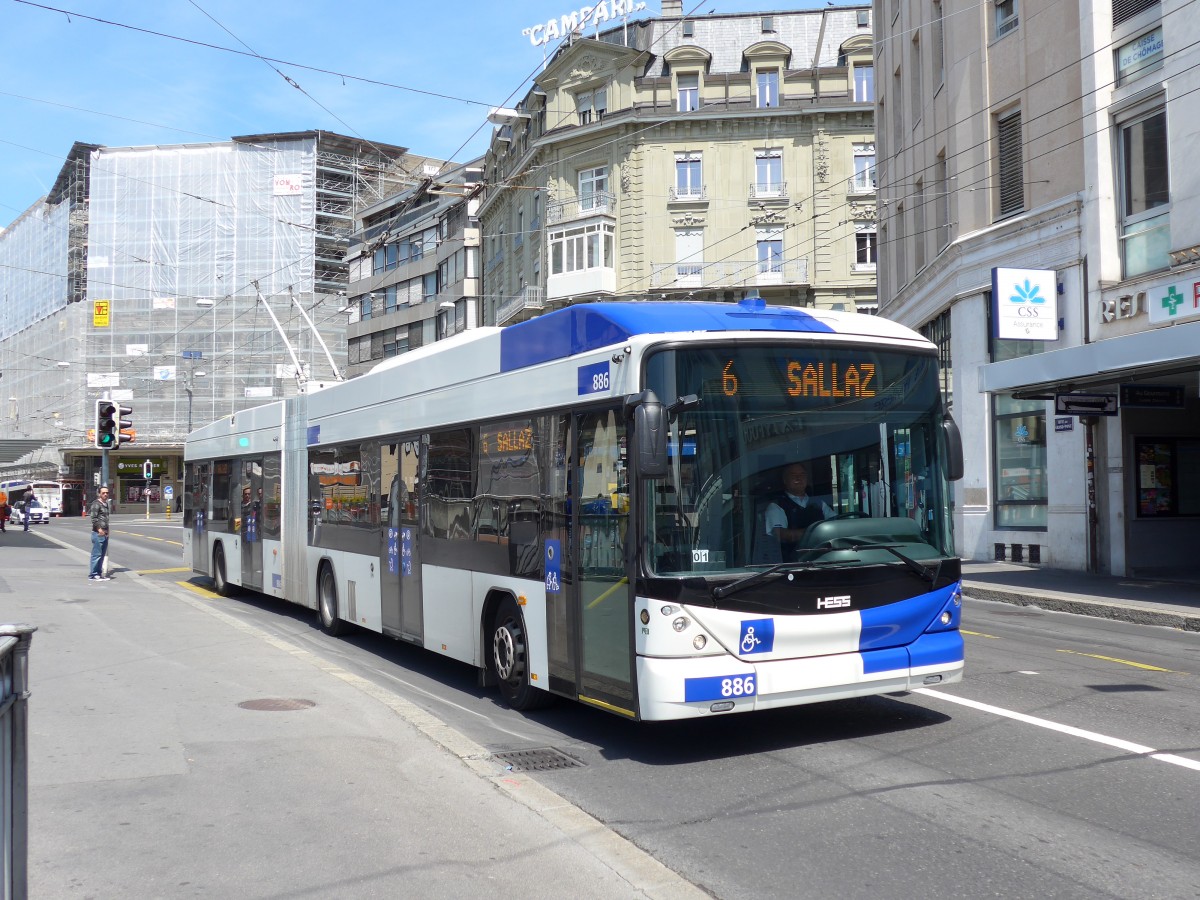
(1034, 161)
(155, 276)
(709, 157)
(414, 267)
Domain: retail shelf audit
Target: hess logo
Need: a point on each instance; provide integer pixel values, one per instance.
(839, 602)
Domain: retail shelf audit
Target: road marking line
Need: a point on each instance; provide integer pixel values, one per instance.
(146, 537)
(994, 637)
(196, 589)
(1118, 743)
(1124, 662)
(162, 571)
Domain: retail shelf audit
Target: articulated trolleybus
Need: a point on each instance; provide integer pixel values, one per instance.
(602, 503)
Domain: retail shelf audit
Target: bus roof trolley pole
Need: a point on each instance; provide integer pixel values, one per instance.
(320, 340)
(295, 360)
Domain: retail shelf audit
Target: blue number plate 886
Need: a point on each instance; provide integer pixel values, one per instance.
(719, 687)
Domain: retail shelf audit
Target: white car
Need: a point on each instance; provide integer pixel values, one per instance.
(37, 513)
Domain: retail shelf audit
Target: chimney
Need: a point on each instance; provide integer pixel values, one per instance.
(672, 8)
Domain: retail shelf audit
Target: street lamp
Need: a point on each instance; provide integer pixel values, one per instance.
(187, 386)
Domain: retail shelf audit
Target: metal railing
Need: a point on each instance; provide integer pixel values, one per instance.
(530, 297)
(596, 203)
(14, 758)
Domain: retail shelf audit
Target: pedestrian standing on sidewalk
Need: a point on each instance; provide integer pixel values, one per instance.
(5, 512)
(99, 512)
(27, 506)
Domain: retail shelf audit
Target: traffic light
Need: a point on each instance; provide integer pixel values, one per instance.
(109, 422)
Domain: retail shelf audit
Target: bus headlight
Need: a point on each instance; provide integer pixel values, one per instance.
(645, 616)
(667, 610)
(699, 641)
(681, 623)
(946, 617)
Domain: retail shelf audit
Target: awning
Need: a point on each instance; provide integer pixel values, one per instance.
(1161, 351)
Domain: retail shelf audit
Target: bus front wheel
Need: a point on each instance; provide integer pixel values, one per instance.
(327, 603)
(510, 659)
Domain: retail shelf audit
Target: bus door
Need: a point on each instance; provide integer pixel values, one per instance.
(250, 523)
(195, 512)
(603, 598)
(399, 556)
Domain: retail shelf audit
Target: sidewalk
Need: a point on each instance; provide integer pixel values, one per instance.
(1172, 604)
(178, 751)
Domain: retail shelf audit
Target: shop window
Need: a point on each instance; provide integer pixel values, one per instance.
(1019, 444)
(1167, 477)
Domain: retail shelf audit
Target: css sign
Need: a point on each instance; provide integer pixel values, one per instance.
(1025, 304)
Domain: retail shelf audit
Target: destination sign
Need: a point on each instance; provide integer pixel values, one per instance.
(814, 379)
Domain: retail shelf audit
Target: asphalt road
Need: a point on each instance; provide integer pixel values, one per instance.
(1067, 763)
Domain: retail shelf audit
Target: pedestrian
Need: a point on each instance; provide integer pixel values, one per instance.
(99, 512)
(27, 507)
(5, 512)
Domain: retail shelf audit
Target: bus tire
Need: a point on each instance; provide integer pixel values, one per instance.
(509, 659)
(327, 602)
(220, 580)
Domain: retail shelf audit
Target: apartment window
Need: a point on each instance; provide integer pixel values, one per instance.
(1124, 10)
(768, 173)
(689, 28)
(1145, 194)
(864, 18)
(1006, 17)
(689, 255)
(864, 83)
(364, 306)
(1141, 55)
(864, 168)
(915, 81)
(379, 263)
(768, 24)
(938, 332)
(689, 92)
(919, 226)
(768, 88)
(1019, 476)
(939, 45)
(942, 201)
(866, 250)
(1009, 164)
(591, 105)
(582, 247)
(897, 112)
(389, 298)
(429, 286)
(769, 245)
(897, 248)
(687, 175)
(593, 188)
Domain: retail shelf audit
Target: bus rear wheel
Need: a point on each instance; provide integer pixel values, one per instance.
(327, 603)
(509, 659)
(220, 581)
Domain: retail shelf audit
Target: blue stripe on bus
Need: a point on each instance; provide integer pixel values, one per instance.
(899, 624)
(939, 649)
(590, 326)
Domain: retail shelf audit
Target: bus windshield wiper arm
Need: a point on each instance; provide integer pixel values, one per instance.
(728, 590)
(929, 573)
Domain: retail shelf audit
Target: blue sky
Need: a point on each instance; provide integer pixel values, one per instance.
(67, 78)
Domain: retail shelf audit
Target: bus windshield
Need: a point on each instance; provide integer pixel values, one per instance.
(824, 453)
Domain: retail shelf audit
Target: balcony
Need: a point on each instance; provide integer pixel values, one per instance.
(862, 183)
(729, 274)
(688, 194)
(768, 190)
(601, 203)
(529, 298)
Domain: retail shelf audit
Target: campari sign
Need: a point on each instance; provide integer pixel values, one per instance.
(1025, 304)
(597, 15)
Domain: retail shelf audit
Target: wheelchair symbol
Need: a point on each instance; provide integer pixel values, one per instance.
(749, 642)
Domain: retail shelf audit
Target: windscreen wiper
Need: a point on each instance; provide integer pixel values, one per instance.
(929, 573)
(728, 590)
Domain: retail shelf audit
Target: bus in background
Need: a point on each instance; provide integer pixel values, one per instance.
(588, 505)
(49, 493)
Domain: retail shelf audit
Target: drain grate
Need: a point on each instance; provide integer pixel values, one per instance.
(537, 759)
(277, 704)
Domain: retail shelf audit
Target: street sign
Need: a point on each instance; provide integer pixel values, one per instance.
(1153, 396)
(1085, 404)
(193, 354)
(168, 492)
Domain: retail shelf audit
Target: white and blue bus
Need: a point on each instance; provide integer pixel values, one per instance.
(586, 505)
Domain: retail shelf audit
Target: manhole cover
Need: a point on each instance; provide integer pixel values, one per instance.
(277, 704)
(538, 759)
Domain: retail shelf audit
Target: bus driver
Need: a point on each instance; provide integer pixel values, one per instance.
(792, 511)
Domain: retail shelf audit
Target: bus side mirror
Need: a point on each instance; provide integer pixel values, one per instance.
(954, 450)
(650, 436)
